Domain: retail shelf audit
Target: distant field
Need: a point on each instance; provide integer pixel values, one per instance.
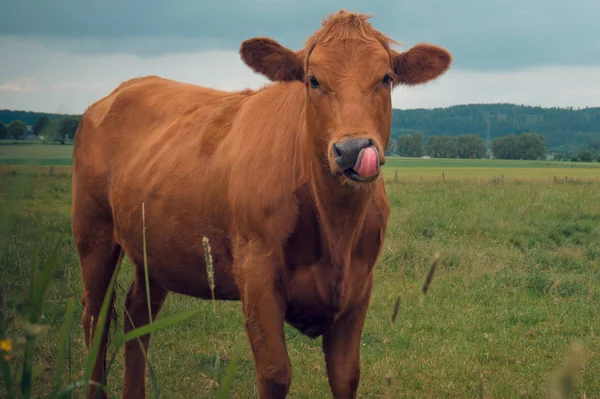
(453, 169)
(40, 154)
(408, 168)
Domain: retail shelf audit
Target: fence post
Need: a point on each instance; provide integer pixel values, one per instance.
(51, 170)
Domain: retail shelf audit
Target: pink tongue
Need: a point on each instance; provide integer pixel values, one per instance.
(367, 166)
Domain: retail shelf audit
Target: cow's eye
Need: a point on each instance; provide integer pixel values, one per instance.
(314, 83)
(386, 79)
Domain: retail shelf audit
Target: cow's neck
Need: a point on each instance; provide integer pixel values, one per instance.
(341, 210)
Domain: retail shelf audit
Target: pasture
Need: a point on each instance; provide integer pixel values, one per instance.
(40, 154)
(517, 283)
(409, 169)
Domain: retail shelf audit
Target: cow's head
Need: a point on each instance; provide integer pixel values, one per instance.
(349, 71)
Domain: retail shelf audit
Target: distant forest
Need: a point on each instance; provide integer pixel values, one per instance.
(28, 117)
(563, 128)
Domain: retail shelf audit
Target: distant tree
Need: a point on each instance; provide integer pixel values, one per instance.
(526, 146)
(464, 146)
(17, 130)
(598, 157)
(586, 156)
(440, 147)
(67, 128)
(432, 146)
(506, 147)
(532, 146)
(41, 125)
(593, 144)
(410, 145)
(448, 147)
(470, 146)
(3, 131)
(416, 147)
(403, 144)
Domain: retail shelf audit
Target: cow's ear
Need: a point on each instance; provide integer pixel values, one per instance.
(271, 59)
(420, 64)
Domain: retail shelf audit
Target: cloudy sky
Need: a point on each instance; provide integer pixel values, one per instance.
(62, 55)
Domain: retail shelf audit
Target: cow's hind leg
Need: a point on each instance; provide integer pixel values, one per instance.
(136, 315)
(98, 255)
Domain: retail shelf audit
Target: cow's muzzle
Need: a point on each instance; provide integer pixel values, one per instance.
(358, 159)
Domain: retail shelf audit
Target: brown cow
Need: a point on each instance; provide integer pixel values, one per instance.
(284, 181)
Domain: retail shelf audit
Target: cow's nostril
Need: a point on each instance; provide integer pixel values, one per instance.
(336, 150)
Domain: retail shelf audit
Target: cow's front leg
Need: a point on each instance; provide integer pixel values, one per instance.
(341, 345)
(264, 313)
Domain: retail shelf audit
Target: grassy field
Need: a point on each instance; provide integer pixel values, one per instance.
(409, 169)
(41, 154)
(518, 281)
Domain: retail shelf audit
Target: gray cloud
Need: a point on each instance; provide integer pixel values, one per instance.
(482, 35)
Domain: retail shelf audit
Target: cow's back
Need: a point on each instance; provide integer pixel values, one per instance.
(139, 111)
(145, 124)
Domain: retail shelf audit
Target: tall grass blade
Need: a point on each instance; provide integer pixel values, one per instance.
(158, 325)
(216, 374)
(227, 382)
(429, 277)
(64, 342)
(34, 312)
(153, 379)
(39, 292)
(7, 377)
(209, 270)
(70, 357)
(95, 347)
(396, 308)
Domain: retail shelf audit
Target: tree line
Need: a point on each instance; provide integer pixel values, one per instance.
(564, 129)
(57, 130)
(467, 146)
(526, 146)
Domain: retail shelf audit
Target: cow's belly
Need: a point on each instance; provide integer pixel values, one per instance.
(179, 265)
(176, 255)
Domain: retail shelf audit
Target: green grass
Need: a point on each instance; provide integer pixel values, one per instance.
(410, 169)
(41, 154)
(518, 281)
